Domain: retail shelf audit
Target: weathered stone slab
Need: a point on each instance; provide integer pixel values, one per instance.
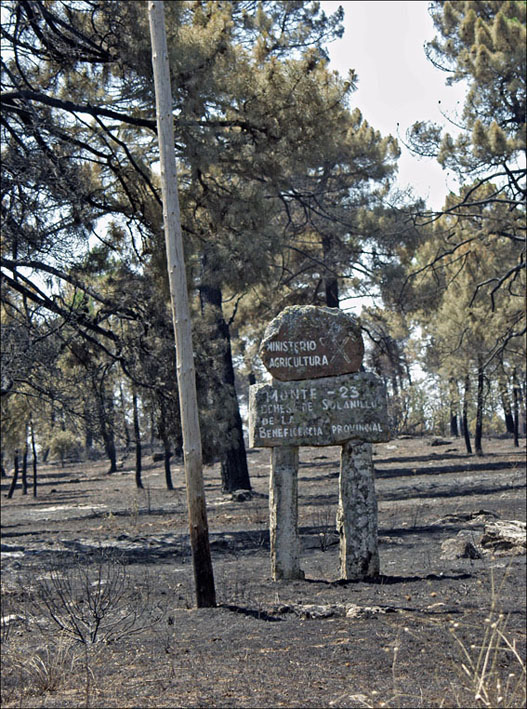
(308, 341)
(318, 412)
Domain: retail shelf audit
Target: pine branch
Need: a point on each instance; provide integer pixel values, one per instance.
(8, 100)
(75, 318)
(41, 266)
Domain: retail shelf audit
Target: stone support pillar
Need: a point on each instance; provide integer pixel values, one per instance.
(357, 513)
(283, 513)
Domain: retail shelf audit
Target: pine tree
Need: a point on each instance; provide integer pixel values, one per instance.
(470, 334)
(483, 43)
(253, 93)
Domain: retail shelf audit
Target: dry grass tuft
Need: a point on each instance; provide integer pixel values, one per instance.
(484, 663)
(46, 670)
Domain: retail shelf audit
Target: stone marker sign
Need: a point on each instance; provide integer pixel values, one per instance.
(307, 342)
(319, 398)
(318, 412)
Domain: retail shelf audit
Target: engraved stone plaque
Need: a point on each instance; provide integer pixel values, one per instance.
(308, 342)
(318, 412)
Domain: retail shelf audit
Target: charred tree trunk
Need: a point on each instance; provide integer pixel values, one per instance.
(151, 415)
(88, 425)
(234, 469)
(137, 437)
(509, 422)
(163, 431)
(15, 476)
(331, 284)
(168, 471)
(516, 408)
(454, 430)
(466, 432)
(24, 463)
(45, 453)
(506, 405)
(454, 408)
(88, 438)
(105, 415)
(480, 401)
(127, 437)
(110, 435)
(332, 293)
(109, 447)
(34, 451)
(522, 408)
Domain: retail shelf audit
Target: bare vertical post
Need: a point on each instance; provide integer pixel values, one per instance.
(283, 513)
(197, 515)
(357, 512)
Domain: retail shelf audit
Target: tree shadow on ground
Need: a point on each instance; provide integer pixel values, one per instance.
(440, 469)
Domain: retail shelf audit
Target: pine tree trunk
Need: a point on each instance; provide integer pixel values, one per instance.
(88, 438)
(454, 407)
(331, 284)
(166, 459)
(234, 473)
(109, 446)
(15, 476)
(522, 412)
(105, 414)
(137, 436)
(88, 428)
(165, 438)
(466, 432)
(396, 402)
(110, 435)
(454, 431)
(479, 411)
(516, 408)
(332, 293)
(45, 454)
(506, 405)
(509, 422)
(234, 469)
(151, 416)
(34, 451)
(127, 437)
(24, 464)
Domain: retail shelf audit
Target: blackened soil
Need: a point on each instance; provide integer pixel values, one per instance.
(397, 640)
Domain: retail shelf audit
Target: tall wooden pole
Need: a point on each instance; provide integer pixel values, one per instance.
(197, 515)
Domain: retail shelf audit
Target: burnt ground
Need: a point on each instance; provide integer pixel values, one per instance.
(401, 639)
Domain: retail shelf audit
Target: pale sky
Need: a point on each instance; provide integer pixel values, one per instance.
(383, 42)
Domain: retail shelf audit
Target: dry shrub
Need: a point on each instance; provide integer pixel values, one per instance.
(93, 602)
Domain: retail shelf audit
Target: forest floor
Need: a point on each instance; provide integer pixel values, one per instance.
(430, 631)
